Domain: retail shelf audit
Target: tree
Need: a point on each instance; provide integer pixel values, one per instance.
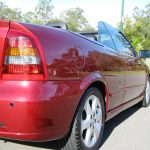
(31, 17)
(73, 17)
(147, 11)
(2, 5)
(133, 31)
(145, 19)
(44, 10)
(10, 14)
(43, 13)
(137, 28)
(55, 19)
(75, 20)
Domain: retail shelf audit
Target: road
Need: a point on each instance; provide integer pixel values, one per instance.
(130, 130)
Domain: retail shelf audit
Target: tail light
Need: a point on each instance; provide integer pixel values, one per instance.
(21, 60)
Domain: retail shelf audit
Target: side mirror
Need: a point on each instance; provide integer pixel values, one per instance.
(144, 54)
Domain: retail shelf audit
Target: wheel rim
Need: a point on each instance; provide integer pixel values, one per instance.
(91, 121)
(148, 92)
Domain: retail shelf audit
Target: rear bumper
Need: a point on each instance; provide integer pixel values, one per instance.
(37, 110)
(34, 137)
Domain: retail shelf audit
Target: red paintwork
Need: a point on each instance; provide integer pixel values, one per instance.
(44, 110)
(41, 108)
(4, 26)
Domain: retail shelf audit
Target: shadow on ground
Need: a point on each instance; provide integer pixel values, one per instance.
(109, 127)
(116, 121)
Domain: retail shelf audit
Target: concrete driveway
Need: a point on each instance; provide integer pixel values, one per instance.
(130, 130)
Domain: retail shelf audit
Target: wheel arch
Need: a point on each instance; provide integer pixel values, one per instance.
(97, 81)
(102, 87)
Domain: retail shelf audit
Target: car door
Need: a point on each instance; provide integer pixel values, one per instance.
(115, 78)
(135, 75)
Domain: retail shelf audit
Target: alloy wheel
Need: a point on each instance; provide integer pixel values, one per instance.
(91, 121)
(147, 92)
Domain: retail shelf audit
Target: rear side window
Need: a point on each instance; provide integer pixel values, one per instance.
(104, 37)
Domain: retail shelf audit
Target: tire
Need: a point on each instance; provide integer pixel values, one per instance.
(88, 125)
(146, 100)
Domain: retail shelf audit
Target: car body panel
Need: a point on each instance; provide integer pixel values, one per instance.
(38, 107)
(61, 60)
(4, 27)
(135, 78)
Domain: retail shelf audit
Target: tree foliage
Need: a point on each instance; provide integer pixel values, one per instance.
(137, 28)
(133, 31)
(8, 13)
(75, 19)
(43, 14)
(29, 17)
(44, 10)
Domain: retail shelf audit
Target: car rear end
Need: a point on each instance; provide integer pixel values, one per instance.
(31, 107)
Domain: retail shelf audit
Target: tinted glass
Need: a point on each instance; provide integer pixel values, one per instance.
(104, 36)
(120, 41)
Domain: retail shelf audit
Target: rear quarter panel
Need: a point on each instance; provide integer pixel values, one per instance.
(72, 57)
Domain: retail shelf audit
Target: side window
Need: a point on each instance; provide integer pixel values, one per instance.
(120, 41)
(122, 44)
(104, 36)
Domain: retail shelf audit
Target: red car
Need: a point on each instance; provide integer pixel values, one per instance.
(56, 84)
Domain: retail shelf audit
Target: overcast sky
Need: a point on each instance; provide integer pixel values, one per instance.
(95, 10)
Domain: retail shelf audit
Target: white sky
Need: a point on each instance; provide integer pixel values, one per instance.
(95, 10)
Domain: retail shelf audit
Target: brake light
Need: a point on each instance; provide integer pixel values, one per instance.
(21, 56)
